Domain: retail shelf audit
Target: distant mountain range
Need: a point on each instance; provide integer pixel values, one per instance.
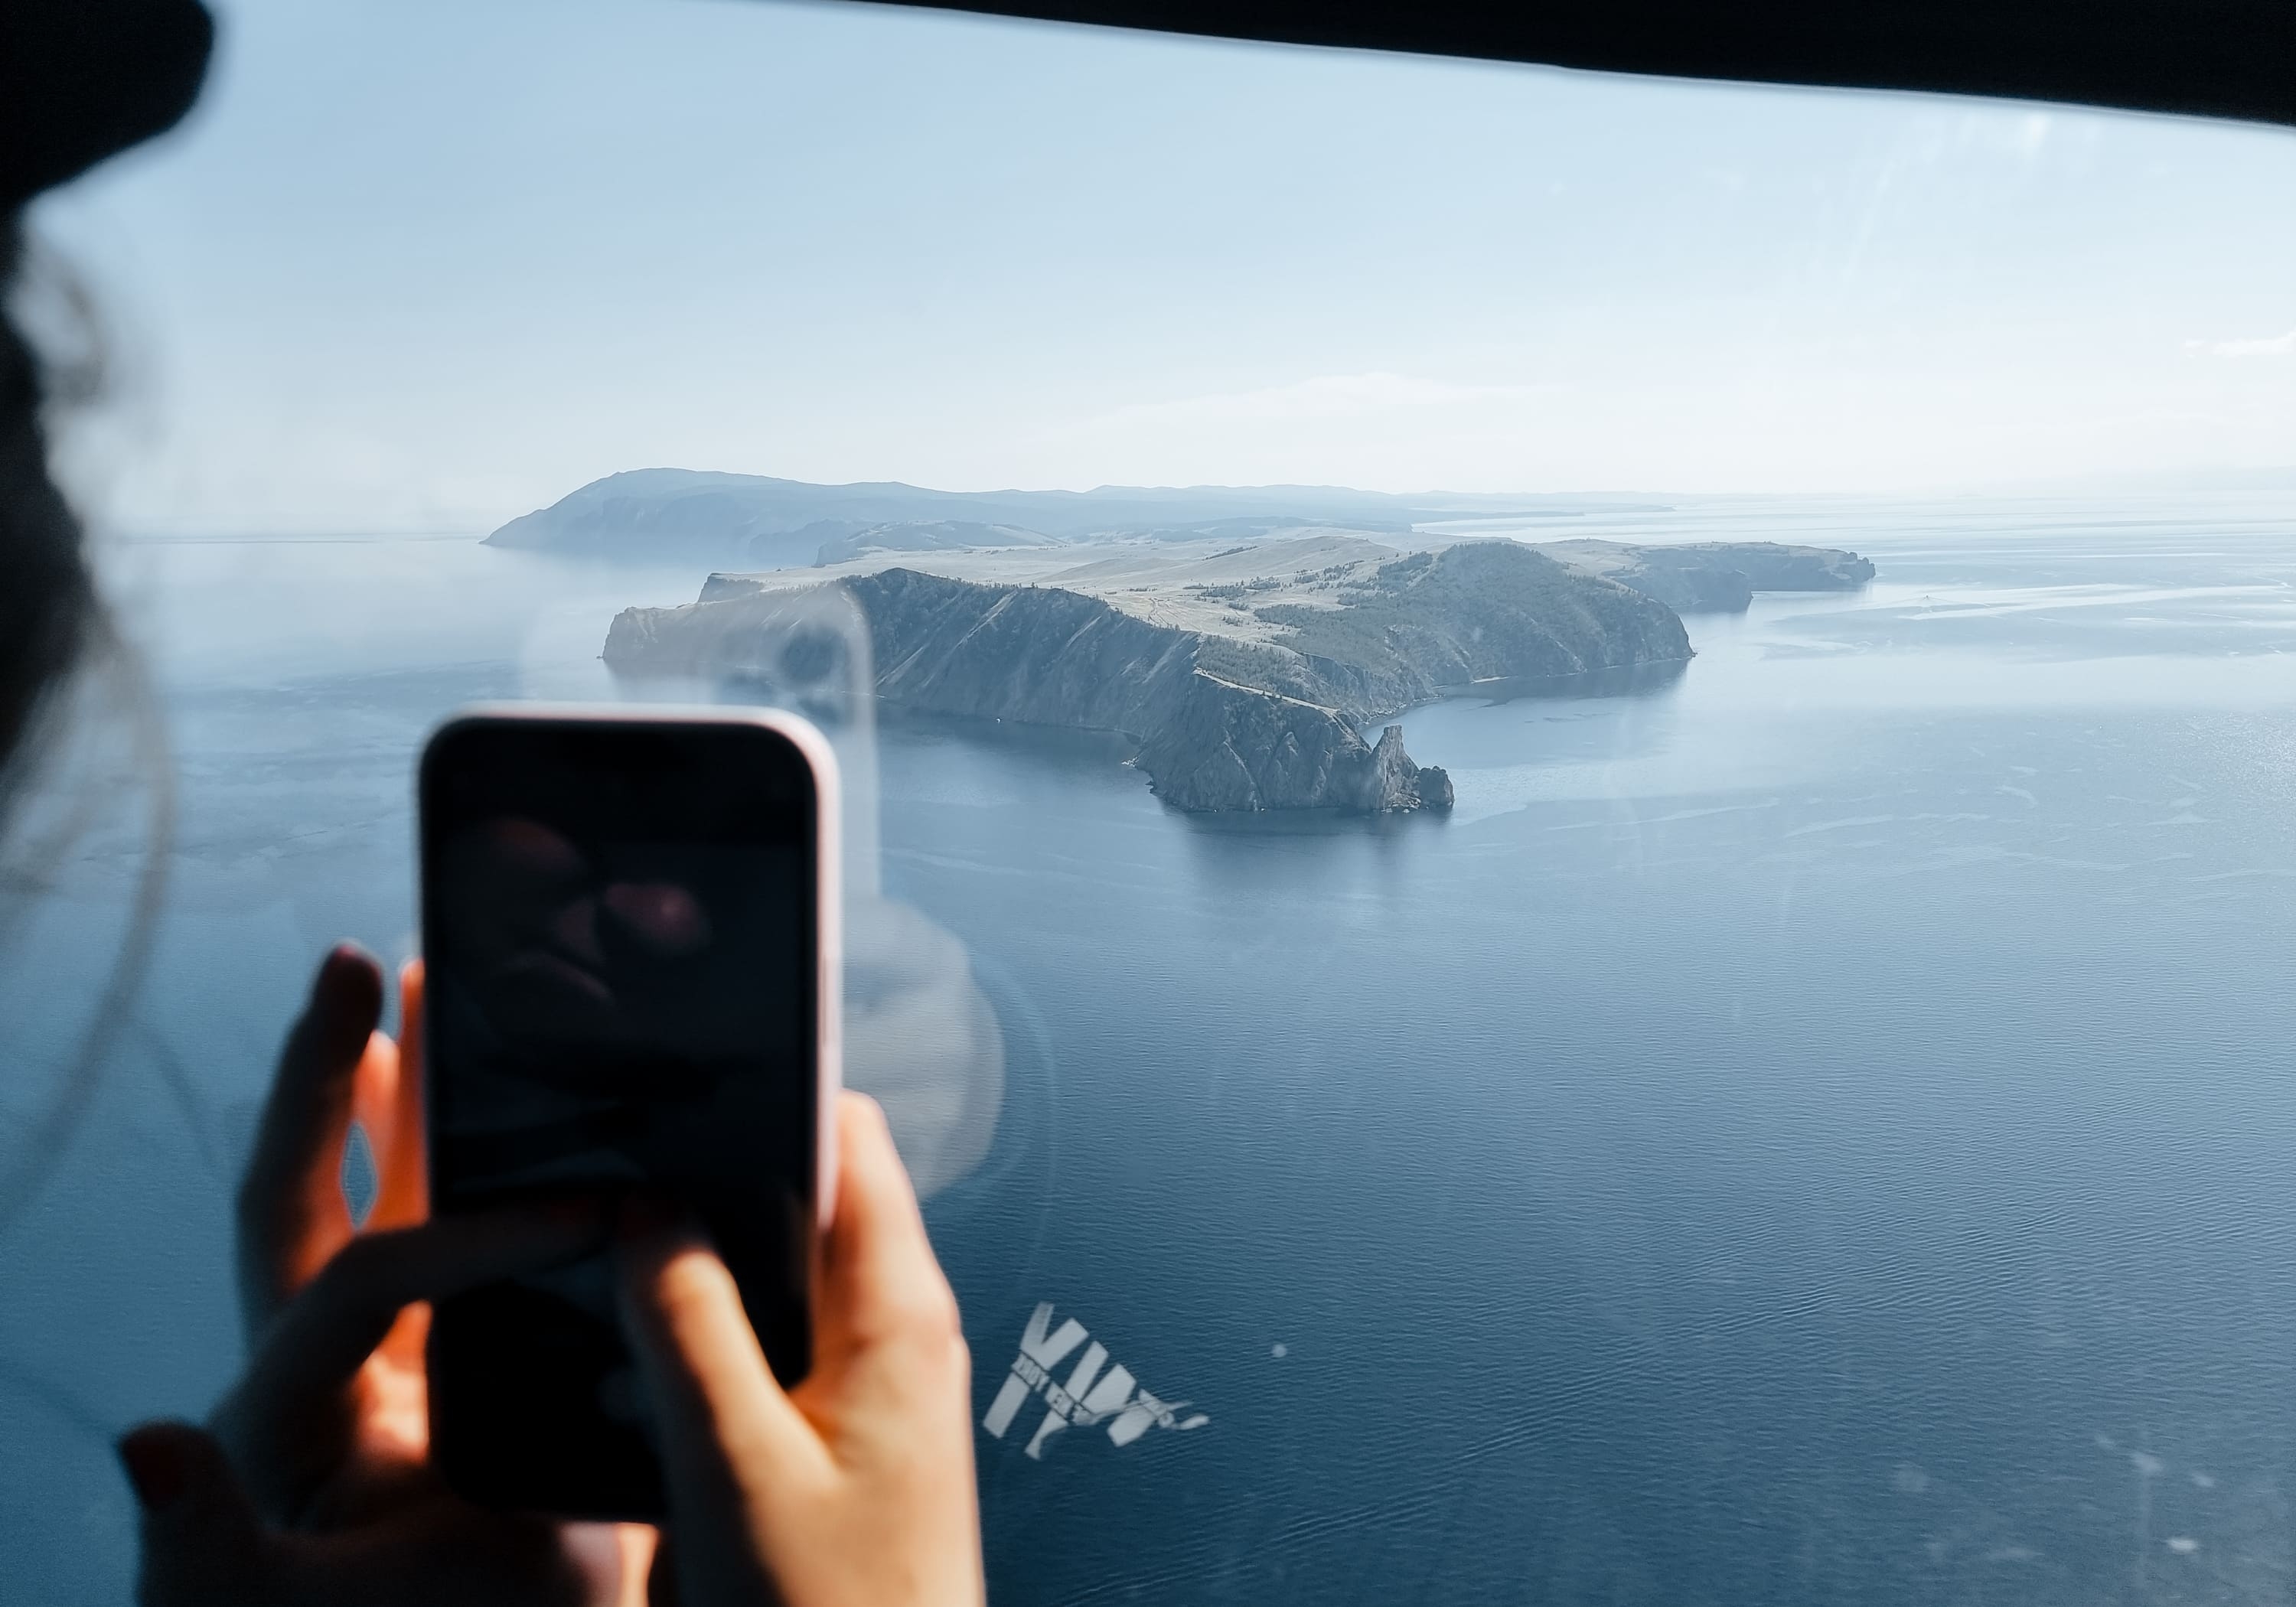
(755, 521)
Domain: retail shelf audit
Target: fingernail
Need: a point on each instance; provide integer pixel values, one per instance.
(340, 958)
(154, 1460)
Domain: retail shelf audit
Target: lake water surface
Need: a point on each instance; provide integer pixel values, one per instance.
(1816, 1127)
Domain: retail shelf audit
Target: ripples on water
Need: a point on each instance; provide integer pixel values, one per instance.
(1815, 1127)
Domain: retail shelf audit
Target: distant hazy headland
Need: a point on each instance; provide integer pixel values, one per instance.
(750, 520)
(1242, 637)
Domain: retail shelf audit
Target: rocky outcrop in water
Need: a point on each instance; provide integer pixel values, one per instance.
(1395, 783)
(1266, 719)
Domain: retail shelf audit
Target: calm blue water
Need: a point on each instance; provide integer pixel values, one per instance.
(1820, 1127)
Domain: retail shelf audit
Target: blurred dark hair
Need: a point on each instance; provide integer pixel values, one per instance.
(79, 80)
(80, 731)
(48, 606)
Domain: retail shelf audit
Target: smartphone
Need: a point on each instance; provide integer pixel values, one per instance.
(630, 935)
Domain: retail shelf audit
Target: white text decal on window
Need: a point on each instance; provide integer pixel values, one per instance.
(1088, 1397)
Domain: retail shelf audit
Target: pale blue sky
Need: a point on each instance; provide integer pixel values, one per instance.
(431, 263)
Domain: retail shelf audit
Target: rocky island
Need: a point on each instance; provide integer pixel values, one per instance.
(1242, 693)
(1243, 652)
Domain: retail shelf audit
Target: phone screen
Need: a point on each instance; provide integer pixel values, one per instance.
(621, 931)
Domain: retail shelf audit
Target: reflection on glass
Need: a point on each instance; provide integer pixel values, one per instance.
(1808, 1123)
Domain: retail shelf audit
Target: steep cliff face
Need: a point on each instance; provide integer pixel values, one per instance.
(1038, 655)
(1223, 747)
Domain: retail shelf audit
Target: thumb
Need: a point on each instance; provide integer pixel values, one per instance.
(733, 1445)
(203, 1541)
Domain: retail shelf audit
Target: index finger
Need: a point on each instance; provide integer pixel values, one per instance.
(290, 1210)
(287, 1421)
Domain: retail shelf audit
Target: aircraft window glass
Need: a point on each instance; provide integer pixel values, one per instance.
(1574, 878)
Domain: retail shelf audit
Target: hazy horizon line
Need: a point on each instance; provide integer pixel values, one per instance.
(2219, 480)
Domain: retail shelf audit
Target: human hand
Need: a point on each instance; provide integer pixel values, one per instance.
(857, 1486)
(313, 1483)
